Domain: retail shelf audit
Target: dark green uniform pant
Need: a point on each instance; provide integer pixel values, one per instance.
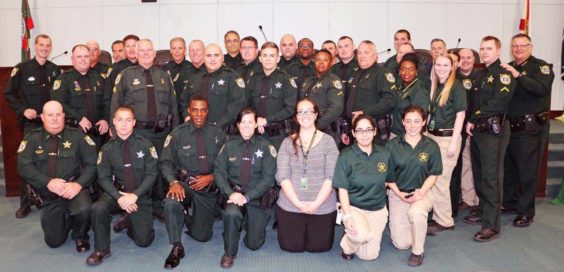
(59, 216)
(25, 202)
(199, 217)
(141, 227)
(488, 153)
(250, 217)
(160, 187)
(522, 166)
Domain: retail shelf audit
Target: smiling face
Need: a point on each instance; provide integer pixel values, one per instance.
(95, 52)
(366, 55)
(269, 59)
(213, 58)
(413, 123)
(196, 50)
(408, 72)
(322, 62)
(53, 117)
(305, 49)
(131, 49)
(81, 59)
(118, 52)
(288, 46)
(198, 111)
(306, 114)
(178, 50)
(489, 52)
(247, 125)
(443, 67)
(249, 51)
(364, 133)
(521, 49)
(437, 47)
(345, 48)
(399, 39)
(145, 53)
(232, 43)
(467, 60)
(43, 48)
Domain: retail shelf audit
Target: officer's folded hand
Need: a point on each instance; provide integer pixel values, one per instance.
(85, 124)
(237, 199)
(102, 127)
(127, 199)
(71, 189)
(56, 185)
(201, 182)
(176, 191)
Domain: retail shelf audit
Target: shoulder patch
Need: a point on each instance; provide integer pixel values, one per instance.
(167, 140)
(118, 78)
(109, 71)
(221, 150)
(99, 158)
(467, 83)
(544, 69)
(337, 84)
(504, 79)
(14, 72)
(272, 151)
(293, 82)
(23, 144)
(390, 78)
(240, 82)
(153, 152)
(56, 84)
(89, 140)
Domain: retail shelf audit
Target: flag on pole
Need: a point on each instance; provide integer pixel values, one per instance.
(27, 25)
(524, 23)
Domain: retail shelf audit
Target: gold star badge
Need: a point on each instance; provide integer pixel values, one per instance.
(423, 157)
(381, 167)
(490, 79)
(67, 144)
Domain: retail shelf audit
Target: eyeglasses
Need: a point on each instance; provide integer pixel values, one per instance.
(519, 46)
(305, 46)
(366, 131)
(305, 113)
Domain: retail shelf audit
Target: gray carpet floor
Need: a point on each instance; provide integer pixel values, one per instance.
(537, 248)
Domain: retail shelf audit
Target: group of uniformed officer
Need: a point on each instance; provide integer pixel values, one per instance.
(182, 115)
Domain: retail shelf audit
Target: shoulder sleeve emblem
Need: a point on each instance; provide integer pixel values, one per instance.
(89, 140)
(544, 69)
(56, 84)
(221, 150)
(14, 72)
(167, 140)
(337, 84)
(240, 82)
(153, 152)
(381, 167)
(118, 78)
(293, 82)
(467, 83)
(23, 144)
(272, 151)
(390, 78)
(504, 79)
(109, 72)
(99, 158)
(176, 77)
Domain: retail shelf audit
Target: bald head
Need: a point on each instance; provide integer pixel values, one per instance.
(94, 49)
(288, 46)
(213, 57)
(53, 117)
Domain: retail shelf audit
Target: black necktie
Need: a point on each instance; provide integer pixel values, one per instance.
(263, 98)
(86, 86)
(352, 94)
(246, 164)
(129, 175)
(203, 91)
(202, 152)
(53, 152)
(43, 85)
(151, 100)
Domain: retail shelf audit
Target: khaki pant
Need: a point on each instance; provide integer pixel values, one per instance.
(369, 248)
(467, 180)
(408, 222)
(442, 209)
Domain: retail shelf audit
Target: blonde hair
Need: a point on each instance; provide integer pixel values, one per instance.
(448, 84)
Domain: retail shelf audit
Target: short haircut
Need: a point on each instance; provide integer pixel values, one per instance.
(117, 42)
(438, 40)
(329, 41)
(42, 36)
(345, 38)
(198, 97)
(246, 111)
(369, 43)
(269, 45)
(323, 51)
(77, 46)
(130, 37)
(178, 39)
(492, 38)
(406, 32)
(250, 39)
(125, 108)
(230, 32)
(411, 57)
(521, 35)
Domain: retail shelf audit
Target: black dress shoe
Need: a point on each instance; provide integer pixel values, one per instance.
(486, 235)
(507, 210)
(174, 257)
(97, 257)
(227, 261)
(436, 228)
(473, 220)
(523, 221)
(415, 260)
(82, 246)
(122, 223)
(23, 212)
(346, 256)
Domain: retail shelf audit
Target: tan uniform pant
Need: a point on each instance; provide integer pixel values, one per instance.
(369, 248)
(467, 180)
(408, 222)
(442, 209)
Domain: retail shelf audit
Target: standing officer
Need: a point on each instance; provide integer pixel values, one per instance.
(348, 64)
(60, 163)
(178, 62)
(196, 51)
(326, 90)
(118, 51)
(272, 94)
(490, 130)
(331, 46)
(95, 64)
(288, 48)
(130, 45)
(26, 92)
(401, 37)
(81, 92)
(244, 173)
(303, 68)
(372, 92)
(221, 86)
(132, 161)
(249, 54)
(187, 163)
(150, 92)
(232, 44)
(528, 117)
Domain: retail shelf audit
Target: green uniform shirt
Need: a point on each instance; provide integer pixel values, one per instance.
(233, 62)
(375, 91)
(71, 90)
(422, 70)
(364, 176)
(248, 70)
(412, 166)
(76, 158)
(345, 70)
(101, 69)
(327, 91)
(144, 161)
(445, 116)
(468, 82)
(281, 98)
(534, 86)
(24, 91)
(183, 79)
(226, 94)
(263, 163)
(131, 89)
(414, 94)
(173, 69)
(495, 88)
(114, 70)
(300, 71)
(283, 63)
(181, 149)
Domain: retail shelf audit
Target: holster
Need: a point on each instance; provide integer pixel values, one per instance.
(162, 125)
(345, 126)
(289, 126)
(274, 129)
(383, 126)
(492, 124)
(232, 129)
(269, 198)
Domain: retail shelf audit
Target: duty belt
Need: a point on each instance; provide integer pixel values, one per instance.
(442, 133)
